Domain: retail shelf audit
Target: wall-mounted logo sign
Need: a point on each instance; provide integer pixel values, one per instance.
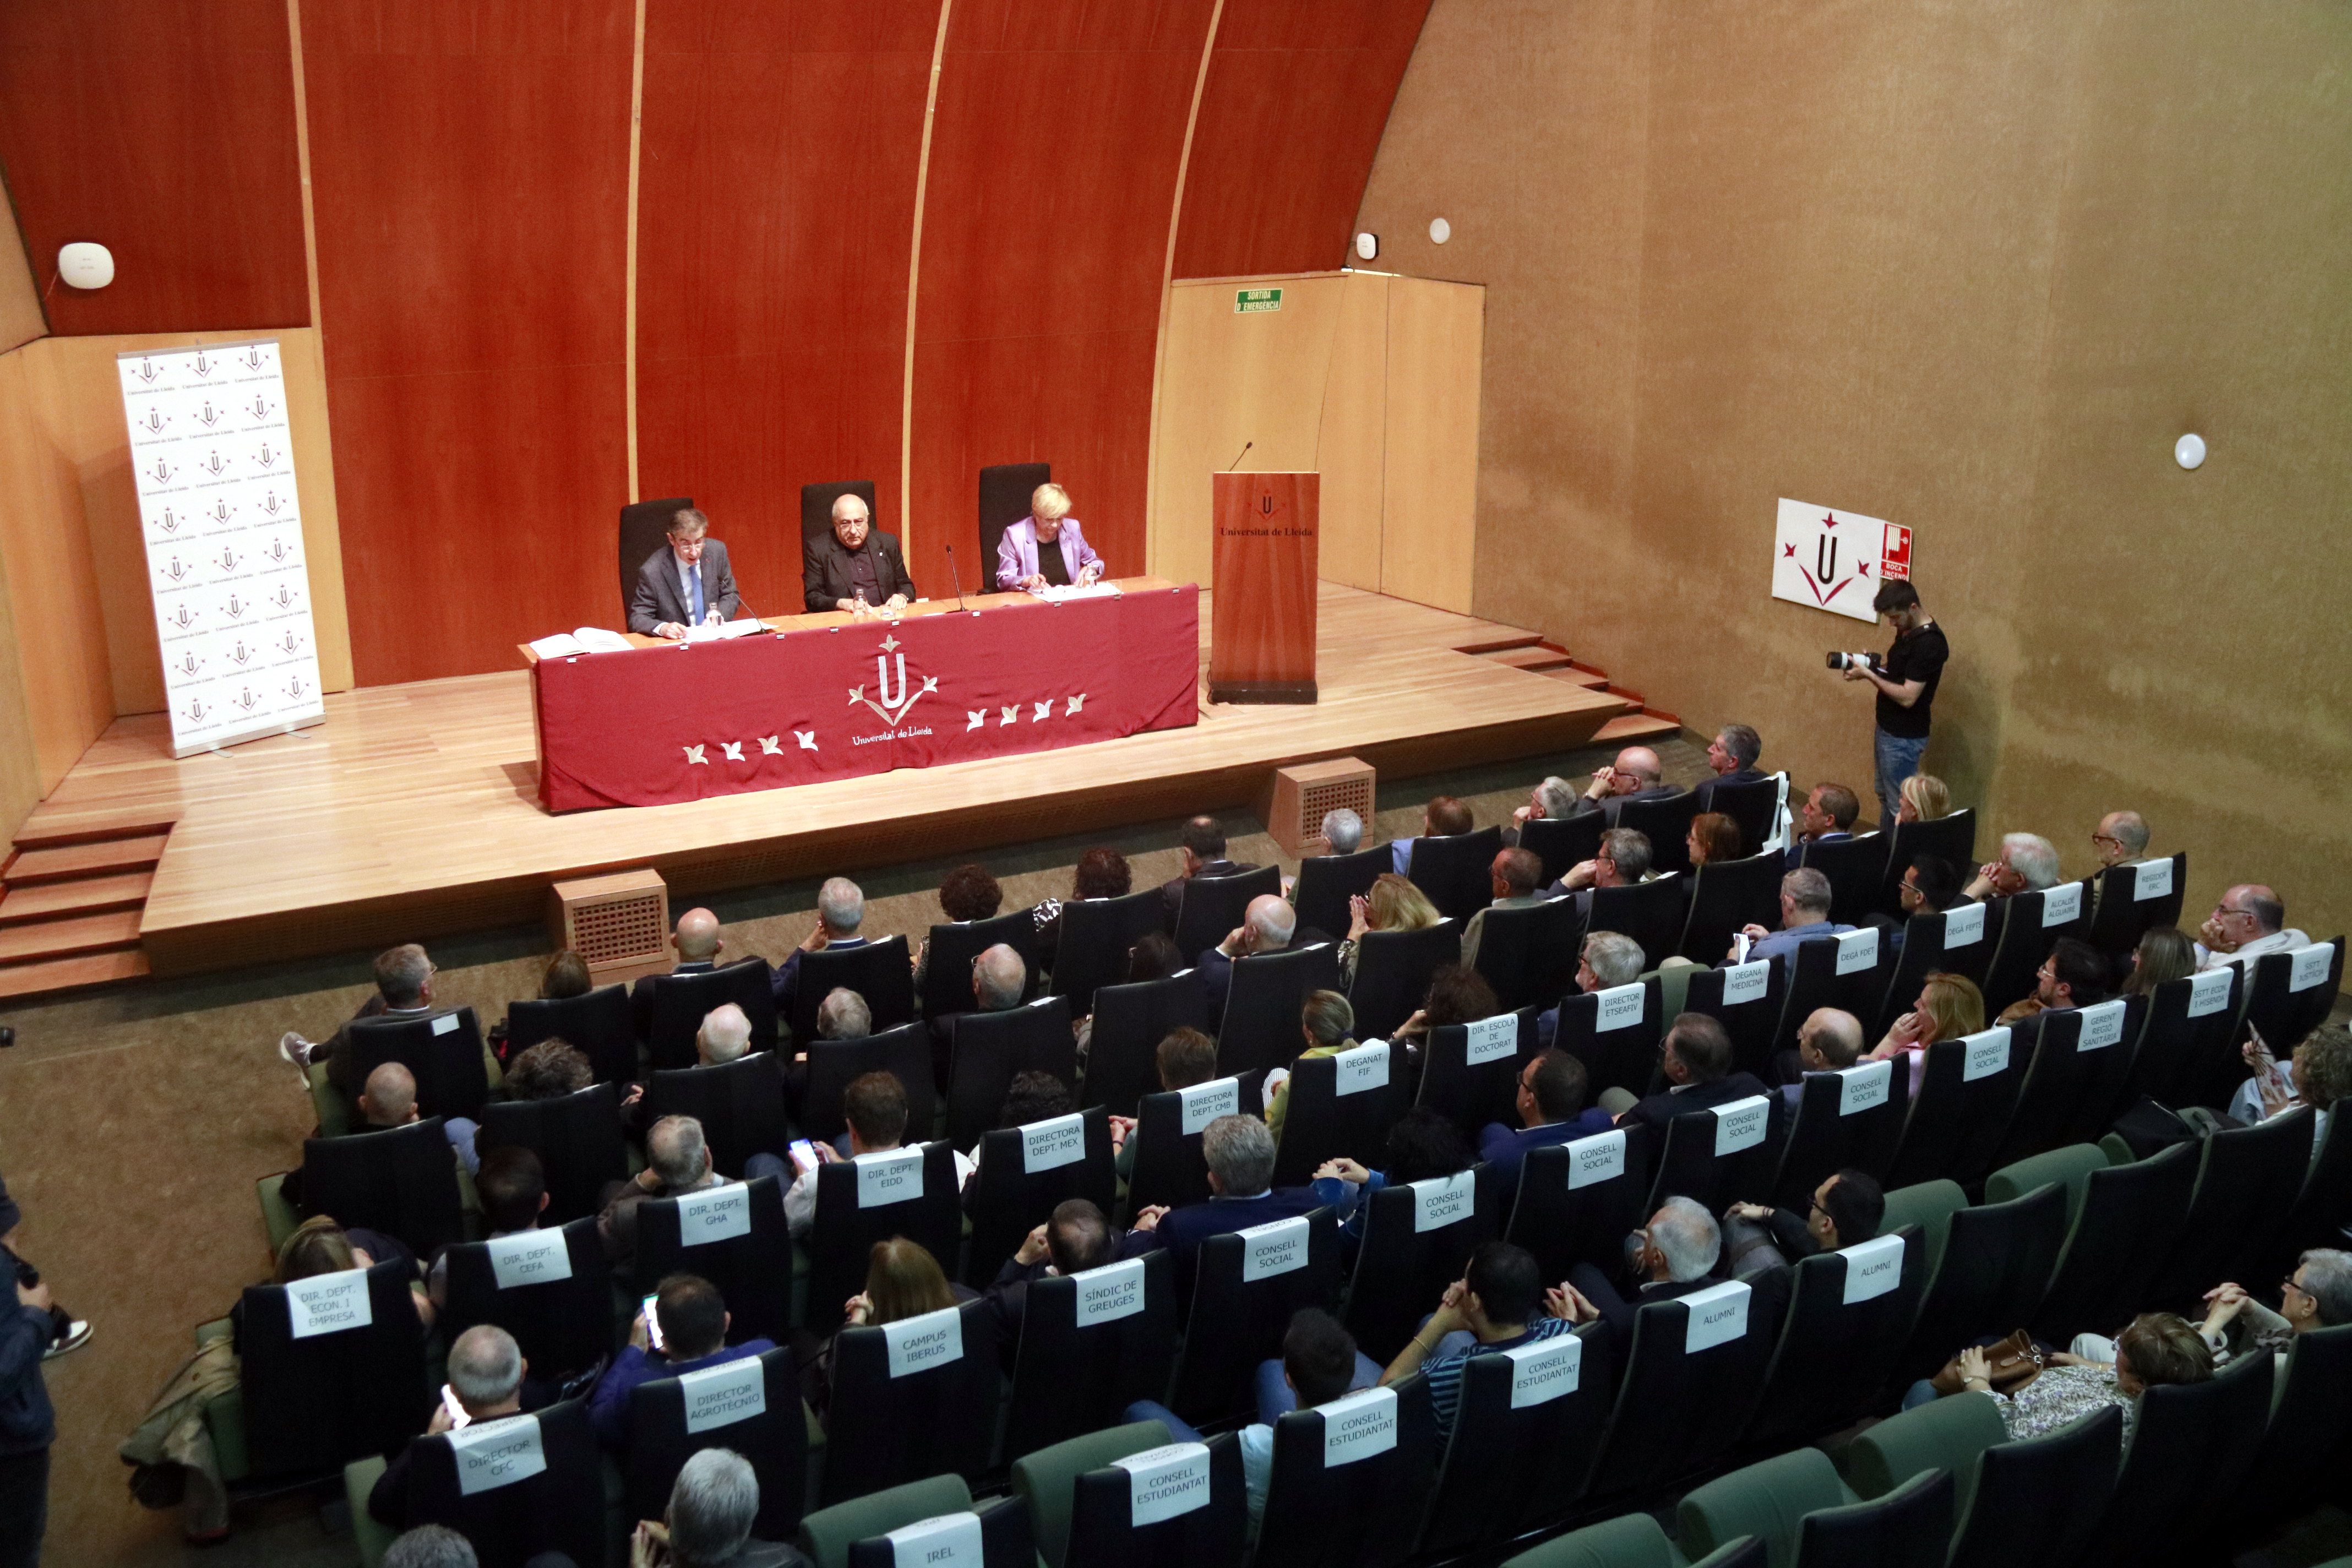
(1833, 560)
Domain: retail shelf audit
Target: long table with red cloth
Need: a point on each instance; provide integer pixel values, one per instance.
(680, 722)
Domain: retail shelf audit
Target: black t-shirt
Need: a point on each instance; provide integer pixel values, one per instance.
(1050, 564)
(1916, 655)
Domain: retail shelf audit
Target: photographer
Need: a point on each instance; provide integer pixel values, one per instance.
(1906, 680)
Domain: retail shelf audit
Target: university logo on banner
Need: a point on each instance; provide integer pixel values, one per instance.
(1833, 560)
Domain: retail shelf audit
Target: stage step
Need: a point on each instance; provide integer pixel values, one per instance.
(1642, 726)
(91, 831)
(1501, 644)
(1537, 657)
(1576, 675)
(61, 975)
(70, 905)
(81, 896)
(37, 941)
(64, 862)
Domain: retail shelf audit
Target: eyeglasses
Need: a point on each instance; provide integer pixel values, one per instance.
(2107, 838)
(2226, 909)
(2289, 1284)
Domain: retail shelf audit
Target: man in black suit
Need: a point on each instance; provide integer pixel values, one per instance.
(1239, 1152)
(1826, 818)
(1673, 1255)
(855, 565)
(1077, 1238)
(686, 582)
(1205, 856)
(1697, 1061)
(1732, 754)
(699, 944)
(1268, 927)
(1634, 775)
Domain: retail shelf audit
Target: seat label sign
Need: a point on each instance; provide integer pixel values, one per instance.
(1271, 1250)
(1109, 1293)
(714, 1214)
(2103, 1026)
(950, 1540)
(1988, 1053)
(1718, 1315)
(1872, 1269)
(1358, 1426)
(1741, 1125)
(1490, 1039)
(1049, 1145)
(1205, 1102)
(528, 1258)
(494, 1454)
(1366, 1067)
(2309, 965)
(1620, 1008)
(1596, 1159)
(1964, 926)
(2153, 881)
(723, 1395)
(1864, 1086)
(2061, 905)
(892, 1176)
(1164, 1483)
(444, 1023)
(1747, 982)
(329, 1303)
(1545, 1371)
(2209, 992)
(1444, 1200)
(1857, 949)
(919, 1343)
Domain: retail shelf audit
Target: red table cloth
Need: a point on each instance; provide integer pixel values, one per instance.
(689, 720)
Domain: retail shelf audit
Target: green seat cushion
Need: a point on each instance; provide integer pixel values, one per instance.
(1947, 1433)
(2071, 1164)
(1048, 1479)
(826, 1535)
(1766, 1499)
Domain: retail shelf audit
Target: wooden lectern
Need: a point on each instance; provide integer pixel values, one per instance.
(1262, 628)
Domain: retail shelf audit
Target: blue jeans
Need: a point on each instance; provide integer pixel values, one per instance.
(1920, 1393)
(1276, 1399)
(1898, 757)
(766, 1164)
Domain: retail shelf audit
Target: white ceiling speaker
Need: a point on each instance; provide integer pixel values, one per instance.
(1440, 231)
(2190, 451)
(1368, 246)
(85, 264)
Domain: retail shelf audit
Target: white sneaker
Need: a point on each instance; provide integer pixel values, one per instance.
(296, 1052)
(76, 1335)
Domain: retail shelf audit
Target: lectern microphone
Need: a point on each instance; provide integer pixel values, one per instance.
(1239, 456)
(956, 576)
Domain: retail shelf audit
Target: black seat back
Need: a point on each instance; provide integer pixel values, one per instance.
(1470, 1072)
(1995, 1267)
(557, 1507)
(1618, 1045)
(1726, 895)
(680, 1002)
(1212, 1533)
(1652, 913)
(1848, 1119)
(644, 528)
(905, 1053)
(1005, 489)
(741, 1105)
(1169, 1166)
(2129, 1218)
(816, 522)
(936, 1415)
(1024, 1172)
(1952, 837)
(2078, 1065)
(1961, 1111)
(442, 1049)
(947, 968)
(550, 1288)
(1834, 1353)
(1528, 954)
(752, 1405)
(1260, 1027)
(2132, 899)
(1907, 1528)
(577, 1138)
(2310, 1424)
(2246, 1190)
(1364, 1511)
(2290, 993)
(1525, 1430)
(1755, 806)
(1925, 952)
(2189, 1050)
(1746, 999)
(1418, 1238)
(989, 1049)
(748, 1256)
(402, 1181)
(872, 1198)
(1212, 908)
(1457, 870)
(1578, 1202)
(2324, 1212)
(1392, 973)
(2193, 1445)
(1562, 842)
(1848, 972)
(880, 971)
(2031, 926)
(1341, 1106)
(2037, 1502)
(1129, 1022)
(1666, 824)
(1854, 867)
(1236, 1320)
(1325, 883)
(1069, 1378)
(1096, 937)
(597, 1022)
(1722, 1156)
(1692, 1376)
(316, 1403)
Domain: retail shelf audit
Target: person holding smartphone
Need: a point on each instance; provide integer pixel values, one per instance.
(681, 1329)
(486, 1383)
(1905, 681)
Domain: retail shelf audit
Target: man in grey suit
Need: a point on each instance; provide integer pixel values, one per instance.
(686, 582)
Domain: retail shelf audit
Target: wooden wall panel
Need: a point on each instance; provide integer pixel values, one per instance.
(1429, 458)
(51, 583)
(20, 297)
(470, 174)
(775, 209)
(1298, 92)
(1054, 157)
(166, 134)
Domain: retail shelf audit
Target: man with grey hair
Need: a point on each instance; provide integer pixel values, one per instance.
(1732, 755)
(854, 567)
(676, 1161)
(2249, 921)
(1695, 1058)
(431, 1546)
(685, 584)
(1512, 881)
(1342, 830)
(2121, 838)
(1673, 1255)
(1551, 800)
(485, 1373)
(725, 1036)
(999, 979)
(1239, 1151)
(844, 1015)
(1804, 914)
(404, 988)
(1607, 958)
(713, 1505)
(840, 911)
(1623, 860)
(2027, 863)
(1267, 926)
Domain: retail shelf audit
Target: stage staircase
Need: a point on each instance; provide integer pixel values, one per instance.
(70, 907)
(1529, 651)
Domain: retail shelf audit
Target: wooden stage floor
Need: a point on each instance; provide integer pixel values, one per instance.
(413, 810)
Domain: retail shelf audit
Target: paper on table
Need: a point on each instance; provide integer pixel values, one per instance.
(1053, 595)
(580, 640)
(723, 632)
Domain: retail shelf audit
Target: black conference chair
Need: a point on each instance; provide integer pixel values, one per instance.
(1705, 1159)
(1169, 1167)
(816, 522)
(1325, 883)
(1578, 1202)
(1726, 895)
(741, 1105)
(1514, 1465)
(598, 1022)
(1848, 972)
(1561, 842)
(1624, 1055)
(1961, 1111)
(2122, 914)
(1679, 1411)
(558, 1308)
(878, 972)
(1469, 1085)
(1004, 492)
(1907, 1527)
(1071, 1378)
(313, 1405)
(1129, 1022)
(645, 526)
(2310, 1423)
(2286, 1004)
(1652, 913)
(1392, 973)
(1952, 837)
(1666, 824)
(1755, 806)
(402, 1181)
(1417, 1237)
(2036, 1503)
(905, 1053)
(2193, 1446)
(989, 1049)
(769, 1430)
(2246, 1189)
(1854, 867)
(577, 1138)
(1104, 1534)
(560, 1508)
(947, 970)
(2323, 1214)
(1924, 953)
(2078, 1065)
(1232, 1324)
(1457, 871)
(1024, 1172)
(1995, 1268)
(1260, 1027)
(1339, 1107)
(681, 1001)
(1834, 1356)
(2031, 926)
(2189, 1049)
(1845, 1121)
(1749, 1011)
(2127, 1225)
(442, 1050)
(1212, 908)
(753, 1271)
(1528, 954)
(933, 1419)
(1363, 1512)
(1096, 937)
(842, 1235)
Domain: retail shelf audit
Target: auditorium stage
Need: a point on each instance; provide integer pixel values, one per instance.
(413, 810)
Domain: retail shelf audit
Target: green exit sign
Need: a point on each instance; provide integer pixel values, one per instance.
(1248, 299)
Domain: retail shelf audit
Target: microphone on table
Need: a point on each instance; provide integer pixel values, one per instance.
(958, 576)
(1240, 455)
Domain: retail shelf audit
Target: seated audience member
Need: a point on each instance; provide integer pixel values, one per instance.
(1000, 979)
(1077, 1237)
(512, 1187)
(676, 1161)
(486, 1374)
(1030, 1097)
(566, 977)
(1267, 926)
(1924, 801)
(713, 1505)
(430, 1546)
(1497, 1305)
(844, 1015)
(390, 1100)
(1421, 1147)
(404, 985)
(549, 1070)
(1184, 1057)
(2156, 1348)
(1342, 831)
(1327, 1025)
(1713, 838)
(1154, 957)
(319, 1246)
(1551, 1109)
(1805, 902)
(1731, 756)
(698, 943)
(1239, 1151)
(693, 1319)
(902, 1280)
(1457, 995)
(1443, 817)
(1697, 1057)
(1515, 876)
(1673, 1255)
(2319, 1073)
(1634, 775)
(1393, 904)
(1950, 1007)
(1846, 1208)
(1623, 860)
(1930, 886)
(2317, 1294)
(1828, 1040)
(967, 894)
(2027, 863)
(1102, 873)
(1553, 800)
(724, 1036)
(1609, 958)
(2121, 840)
(2163, 954)
(875, 1106)
(1825, 818)
(2248, 922)
(840, 910)
(2073, 975)
(1204, 844)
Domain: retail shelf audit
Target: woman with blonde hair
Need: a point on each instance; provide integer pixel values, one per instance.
(1328, 1024)
(1393, 904)
(319, 1245)
(1923, 799)
(2164, 953)
(1950, 1007)
(1047, 549)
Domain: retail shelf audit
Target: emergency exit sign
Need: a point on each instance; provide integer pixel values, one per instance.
(1247, 300)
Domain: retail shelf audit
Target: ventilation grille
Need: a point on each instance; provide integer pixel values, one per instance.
(1302, 794)
(615, 920)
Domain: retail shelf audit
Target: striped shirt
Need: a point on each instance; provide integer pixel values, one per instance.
(1444, 1374)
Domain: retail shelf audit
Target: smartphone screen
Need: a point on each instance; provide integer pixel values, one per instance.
(803, 1155)
(458, 1416)
(653, 1323)
(1739, 945)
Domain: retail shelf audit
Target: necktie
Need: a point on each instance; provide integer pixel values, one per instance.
(694, 576)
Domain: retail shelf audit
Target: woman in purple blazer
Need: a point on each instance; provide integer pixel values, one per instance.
(1021, 563)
